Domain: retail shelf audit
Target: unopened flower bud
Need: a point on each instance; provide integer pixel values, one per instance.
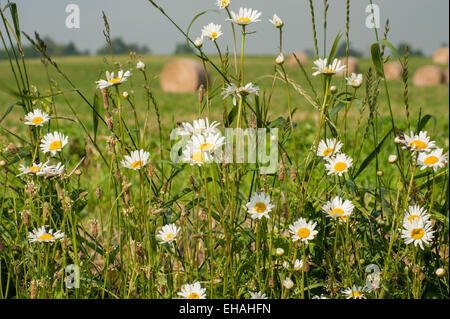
(333, 89)
(288, 283)
(198, 42)
(392, 158)
(279, 252)
(125, 95)
(280, 59)
(440, 272)
(140, 66)
(380, 173)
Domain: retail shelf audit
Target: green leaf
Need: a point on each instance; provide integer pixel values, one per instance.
(424, 120)
(9, 109)
(336, 109)
(376, 59)
(334, 47)
(232, 114)
(371, 155)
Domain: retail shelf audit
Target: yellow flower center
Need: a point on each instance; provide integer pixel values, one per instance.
(224, 3)
(214, 35)
(303, 232)
(34, 169)
(244, 20)
(115, 80)
(56, 145)
(340, 166)
(169, 236)
(327, 70)
(418, 144)
(46, 237)
(356, 294)
(412, 217)
(343, 218)
(417, 233)
(197, 157)
(430, 160)
(260, 207)
(193, 295)
(337, 212)
(137, 164)
(37, 120)
(328, 151)
(206, 146)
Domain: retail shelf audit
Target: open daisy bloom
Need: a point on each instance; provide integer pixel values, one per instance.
(245, 16)
(212, 31)
(194, 291)
(140, 66)
(112, 80)
(418, 143)
(193, 154)
(209, 143)
(355, 292)
(329, 147)
(36, 118)
(323, 68)
(259, 206)
(339, 164)
(298, 265)
(435, 159)
(338, 208)
(257, 295)
(168, 233)
(355, 80)
(222, 4)
(303, 230)
(416, 213)
(33, 169)
(200, 126)
(53, 142)
(417, 232)
(276, 21)
(136, 160)
(41, 235)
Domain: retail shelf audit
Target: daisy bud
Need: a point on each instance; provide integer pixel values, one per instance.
(276, 21)
(362, 261)
(2, 163)
(380, 173)
(333, 89)
(140, 66)
(440, 272)
(279, 252)
(198, 42)
(392, 159)
(280, 59)
(78, 172)
(288, 283)
(125, 95)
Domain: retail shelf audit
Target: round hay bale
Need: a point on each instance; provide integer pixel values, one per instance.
(446, 76)
(352, 65)
(393, 70)
(441, 56)
(301, 56)
(182, 75)
(428, 75)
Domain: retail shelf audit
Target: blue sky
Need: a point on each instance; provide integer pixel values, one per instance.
(422, 23)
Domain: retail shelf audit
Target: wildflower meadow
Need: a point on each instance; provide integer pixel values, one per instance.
(268, 182)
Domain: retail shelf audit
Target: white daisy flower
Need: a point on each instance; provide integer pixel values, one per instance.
(339, 164)
(200, 126)
(435, 159)
(331, 69)
(49, 171)
(416, 213)
(194, 291)
(212, 31)
(53, 142)
(33, 169)
(355, 80)
(257, 295)
(136, 160)
(417, 232)
(198, 42)
(233, 90)
(338, 208)
(193, 154)
(168, 233)
(112, 80)
(418, 143)
(259, 206)
(329, 147)
(288, 283)
(298, 265)
(276, 21)
(140, 66)
(280, 59)
(209, 143)
(355, 292)
(303, 230)
(248, 89)
(222, 4)
(245, 16)
(41, 235)
(37, 118)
